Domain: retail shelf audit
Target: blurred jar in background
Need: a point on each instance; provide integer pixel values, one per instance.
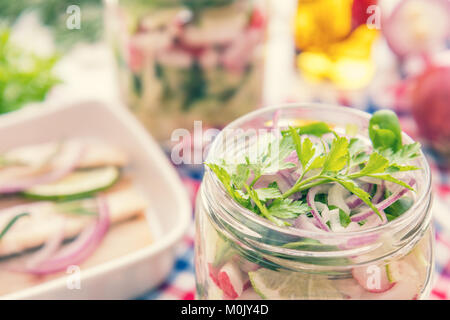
(334, 41)
(186, 60)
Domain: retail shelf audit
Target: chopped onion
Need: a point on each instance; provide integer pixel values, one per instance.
(265, 180)
(383, 204)
(324, 211)
(304, 223)
(287, 177)
(311, 203)
(353, 226)
(354, 201)
(379, 193)
(293, 158)
(374, 221)
(370, 180)
(376, 199)
(335, 221)
(336, 197)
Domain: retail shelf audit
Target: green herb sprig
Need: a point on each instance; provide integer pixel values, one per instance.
(11, 223)
(20, 85)
(343, 161)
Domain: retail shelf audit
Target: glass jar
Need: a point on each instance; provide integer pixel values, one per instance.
(185, 60)
(241, 255)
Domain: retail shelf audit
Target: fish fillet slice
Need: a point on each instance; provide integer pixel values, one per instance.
(95, 153)
(44, 221)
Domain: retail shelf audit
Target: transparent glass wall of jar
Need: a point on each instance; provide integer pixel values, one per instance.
(241, 256)
(185, 60)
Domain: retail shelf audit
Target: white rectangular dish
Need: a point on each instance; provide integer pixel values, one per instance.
(170, 211)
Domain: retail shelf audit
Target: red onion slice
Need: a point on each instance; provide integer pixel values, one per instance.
(76, 252)
(354, 201)
(49, 248)
(293, 158)
(379, 193)
(287, 177)
(69, 162)
(265, 180)
(368, 239)
(383, 204)
(305, 223)
(363, 240)
(336, 197)
(311, 203)
(377, 198)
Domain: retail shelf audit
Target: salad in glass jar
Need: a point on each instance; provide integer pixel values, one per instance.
(314, 202)
(184, 60)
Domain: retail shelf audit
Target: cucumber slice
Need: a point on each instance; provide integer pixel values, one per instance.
(287, 285)
(78, 184)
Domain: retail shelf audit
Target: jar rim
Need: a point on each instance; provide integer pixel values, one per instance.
(396, 223)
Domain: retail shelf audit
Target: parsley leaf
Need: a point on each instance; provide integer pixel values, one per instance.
(265, 194)
(390, 178)
(262, 208)
(404, 154)
(240, 176)
(344, 218)
(287, 208)
(356, 149)
(273, 158)
(376, 164)
(397, 168)
(225, 178)
(338, 156)
(306, 152)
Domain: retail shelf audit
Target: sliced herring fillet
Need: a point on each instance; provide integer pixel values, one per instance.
(44, 220)
(95, 153)
(99, 154)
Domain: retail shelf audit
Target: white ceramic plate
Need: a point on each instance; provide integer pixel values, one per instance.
(137, 272)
